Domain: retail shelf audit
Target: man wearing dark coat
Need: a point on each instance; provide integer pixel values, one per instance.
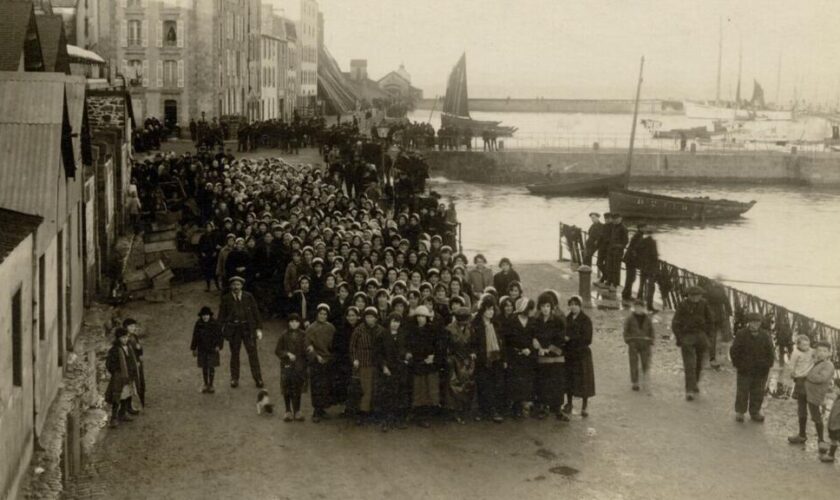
(692, 325)
(648, 261)
(753, 356)
(604, 247)
(618, 240)
(593, 238)
(241, 324)
(631, 261)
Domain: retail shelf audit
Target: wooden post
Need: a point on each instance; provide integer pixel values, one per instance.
(560, 243)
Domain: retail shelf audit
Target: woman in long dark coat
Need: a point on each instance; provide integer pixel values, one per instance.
(137, 349)
(580, 371)
(343, 365)
(122, 366)
(489, 349)
(547, 330)
(520, 356)
(206, 343)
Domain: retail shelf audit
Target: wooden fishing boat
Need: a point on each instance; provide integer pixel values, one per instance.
(456, 106)
(599, 185)
(580, 186)
(644, 205)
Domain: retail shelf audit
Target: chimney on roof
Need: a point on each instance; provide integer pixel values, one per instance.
(358, 70)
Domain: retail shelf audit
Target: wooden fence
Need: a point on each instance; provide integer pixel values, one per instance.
(673, 281)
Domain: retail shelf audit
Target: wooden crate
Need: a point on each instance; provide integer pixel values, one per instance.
(160, 246)
(162, 280)
(154, 268)
(156, 236)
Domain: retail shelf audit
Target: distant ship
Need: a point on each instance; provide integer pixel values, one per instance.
(456, 108)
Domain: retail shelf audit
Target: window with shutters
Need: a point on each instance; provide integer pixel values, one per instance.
(170, 74)
(170, 34)
(134, 73)
(135, 38)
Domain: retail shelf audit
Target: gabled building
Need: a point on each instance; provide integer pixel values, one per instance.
(398, 85)
(20, 46)
(41, 140)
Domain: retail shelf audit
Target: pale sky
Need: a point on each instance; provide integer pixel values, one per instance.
(591, 48)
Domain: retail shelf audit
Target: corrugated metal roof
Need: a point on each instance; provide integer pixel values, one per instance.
(31, 97)
(80, 53)
(14, 23)
(30, 140)
(14, 228)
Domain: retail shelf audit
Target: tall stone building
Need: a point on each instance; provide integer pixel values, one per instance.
(273, 64)
(308, 45)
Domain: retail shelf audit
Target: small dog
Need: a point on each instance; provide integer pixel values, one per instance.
(264, 403)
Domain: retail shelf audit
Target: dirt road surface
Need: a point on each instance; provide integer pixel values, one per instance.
(633, 445)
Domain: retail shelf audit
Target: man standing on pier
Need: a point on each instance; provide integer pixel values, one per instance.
(593, 238)
(692, 325)
(603, 246)
(618, 240)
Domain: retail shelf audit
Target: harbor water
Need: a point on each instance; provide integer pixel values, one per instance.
(790, 237)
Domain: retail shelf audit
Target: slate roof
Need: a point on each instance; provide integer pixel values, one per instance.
(53, 43)
(14, 23)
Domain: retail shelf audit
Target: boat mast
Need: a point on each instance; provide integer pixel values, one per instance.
(635, 118)
(434, 106)
(720, 59)
(779, 82)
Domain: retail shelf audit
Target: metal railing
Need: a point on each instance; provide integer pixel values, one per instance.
(674, 281)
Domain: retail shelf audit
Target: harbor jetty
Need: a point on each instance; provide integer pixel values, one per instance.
(747, 167)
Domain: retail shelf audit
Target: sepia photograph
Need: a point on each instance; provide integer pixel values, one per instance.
(419, 249)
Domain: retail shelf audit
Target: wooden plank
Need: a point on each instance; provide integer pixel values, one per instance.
(160, 246)
(155, 236)
(163, 226)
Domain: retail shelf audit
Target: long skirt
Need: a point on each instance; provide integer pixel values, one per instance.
(365, 374)
(393, 392)
(461, 387)
(550, 384)
(520, 379)
(207, 359)
(426, 390)
(342, 373)
(580, 375)
(320, 377)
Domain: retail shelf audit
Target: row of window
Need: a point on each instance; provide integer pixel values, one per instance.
(170, 33)
(168, 74)
(308, 77)
(307, 54)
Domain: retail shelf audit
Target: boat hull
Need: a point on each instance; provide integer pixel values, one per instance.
(701, 111)
(643, 205)
(590, 186)
(477, 126)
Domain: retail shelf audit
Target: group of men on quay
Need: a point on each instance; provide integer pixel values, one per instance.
(385, 318)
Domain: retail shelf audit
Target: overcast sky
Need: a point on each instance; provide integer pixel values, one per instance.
(591, 48)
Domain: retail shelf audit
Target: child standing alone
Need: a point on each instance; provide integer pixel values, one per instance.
(206, 343)
(291, 350)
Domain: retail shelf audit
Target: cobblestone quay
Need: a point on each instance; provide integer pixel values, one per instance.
(632, 446)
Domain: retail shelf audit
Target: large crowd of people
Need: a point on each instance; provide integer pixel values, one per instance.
(385, 319)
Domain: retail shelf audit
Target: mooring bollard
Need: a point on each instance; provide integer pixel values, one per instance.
(585, 285)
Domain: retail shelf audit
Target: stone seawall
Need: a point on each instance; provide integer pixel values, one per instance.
(529, 166)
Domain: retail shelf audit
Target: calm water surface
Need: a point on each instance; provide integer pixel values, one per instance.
(791, 235)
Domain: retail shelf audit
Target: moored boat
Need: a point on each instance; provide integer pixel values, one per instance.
(580, 186)
(644, 205)
(456, 109)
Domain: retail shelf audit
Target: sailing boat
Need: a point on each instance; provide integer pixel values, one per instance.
(596, 185)
(641, 204)
(456, 106)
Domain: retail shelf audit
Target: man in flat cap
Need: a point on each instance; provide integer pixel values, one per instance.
(753, 356)
(241, 324)
(692, 325)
